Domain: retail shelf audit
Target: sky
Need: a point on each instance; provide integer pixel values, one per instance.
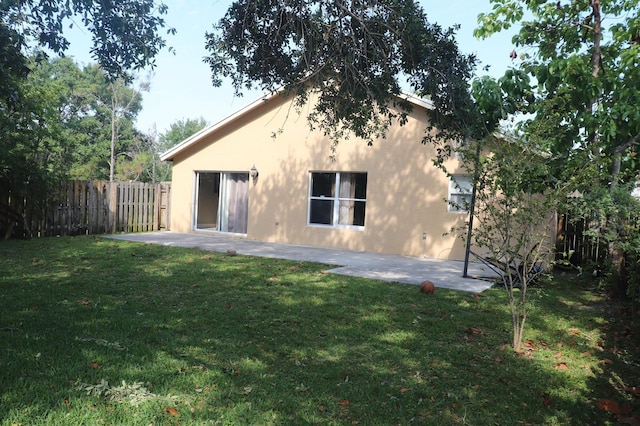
(181, 82)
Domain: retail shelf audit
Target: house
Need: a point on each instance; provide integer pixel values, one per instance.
(262, 174)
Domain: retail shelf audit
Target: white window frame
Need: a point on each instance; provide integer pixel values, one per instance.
(336, 202)
(461, 188)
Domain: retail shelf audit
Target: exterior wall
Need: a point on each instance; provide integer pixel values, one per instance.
(405, 192)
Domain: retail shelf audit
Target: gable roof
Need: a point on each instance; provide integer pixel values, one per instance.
(196, 137)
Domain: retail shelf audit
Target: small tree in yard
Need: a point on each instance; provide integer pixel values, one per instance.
(513, 211)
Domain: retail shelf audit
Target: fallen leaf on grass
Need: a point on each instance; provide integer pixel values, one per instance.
(608, 405)
(247, 390)
(547, 401)
(404, 390)
(574, 331)
(523, 353)
(172, 412)
(344, 402)
(562, 366)
(321, 408)
(614, 350)
(94, 364)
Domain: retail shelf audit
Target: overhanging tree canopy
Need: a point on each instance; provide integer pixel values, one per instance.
(579, 62)
(352, 54)
(124, 33)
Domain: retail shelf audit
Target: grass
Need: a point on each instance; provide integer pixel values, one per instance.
(96, 331)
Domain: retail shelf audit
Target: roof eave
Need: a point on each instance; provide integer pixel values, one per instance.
(191, 140)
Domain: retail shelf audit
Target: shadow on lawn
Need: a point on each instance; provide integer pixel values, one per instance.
(616, 389)
(245, 340)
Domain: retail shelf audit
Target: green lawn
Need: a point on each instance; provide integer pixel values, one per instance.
(96, 331)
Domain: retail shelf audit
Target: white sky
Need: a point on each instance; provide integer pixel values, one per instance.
(181, 83)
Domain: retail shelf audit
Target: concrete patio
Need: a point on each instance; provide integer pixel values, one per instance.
(385, 267)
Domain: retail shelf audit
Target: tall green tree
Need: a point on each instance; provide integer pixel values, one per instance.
(579, 61)
(30, 141)
(351, 56)
(180, 130)
(94, 114)
(176, 133)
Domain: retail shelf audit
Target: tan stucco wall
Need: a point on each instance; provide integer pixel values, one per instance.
(405, 192)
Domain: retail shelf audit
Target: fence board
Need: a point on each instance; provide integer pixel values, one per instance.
(577, 246)
(87, 207)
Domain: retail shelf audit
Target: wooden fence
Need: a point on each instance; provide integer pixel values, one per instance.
(579, 240)
(575, 244)
(87, 207)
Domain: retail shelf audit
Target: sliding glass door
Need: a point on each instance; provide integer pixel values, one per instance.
(222, 202)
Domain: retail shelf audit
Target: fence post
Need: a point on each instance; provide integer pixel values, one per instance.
(112, 198)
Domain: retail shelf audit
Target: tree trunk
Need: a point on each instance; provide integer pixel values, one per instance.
(616, 254)
(596, 56)
(618, 289)
(112, 163)
(114, 103)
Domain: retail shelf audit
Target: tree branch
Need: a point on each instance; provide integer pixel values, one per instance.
(617, 158)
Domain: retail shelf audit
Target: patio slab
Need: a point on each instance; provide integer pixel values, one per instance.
(384, 267)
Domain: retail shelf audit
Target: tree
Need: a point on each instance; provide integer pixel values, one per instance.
(512, 215)
(124, 33)
(95, 116)
(29, 137)
(585, 88)
(350, 55)
(125, 103)
(177, 132)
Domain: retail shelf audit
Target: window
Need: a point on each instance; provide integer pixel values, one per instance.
(337, 199)
(460, 188)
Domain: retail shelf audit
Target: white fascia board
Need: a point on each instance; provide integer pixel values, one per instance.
(193, 139)
(421, 102)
